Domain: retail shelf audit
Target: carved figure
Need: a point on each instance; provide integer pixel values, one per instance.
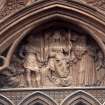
(86, 65)
(100, 67)
(58, 62)
(58, 58)
(32, 64)
(58, 68)
(100, 61)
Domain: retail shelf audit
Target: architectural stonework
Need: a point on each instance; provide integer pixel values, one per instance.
(100, 4)
(8, 7)
(52, 52)
(55, 58)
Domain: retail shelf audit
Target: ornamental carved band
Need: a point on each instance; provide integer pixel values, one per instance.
(56, 57)
(7, 7)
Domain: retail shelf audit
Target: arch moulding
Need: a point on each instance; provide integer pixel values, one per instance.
(14, 28)
(80, 97)
(5, 101)
(37, 97)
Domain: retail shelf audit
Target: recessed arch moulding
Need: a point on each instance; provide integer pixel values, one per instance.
(80, 98)
(48, 47)
(38, 98)
(76, 98)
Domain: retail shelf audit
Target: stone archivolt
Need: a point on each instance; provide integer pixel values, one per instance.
(7, 7)
(53, 44)
(54, 58)
(68, 55)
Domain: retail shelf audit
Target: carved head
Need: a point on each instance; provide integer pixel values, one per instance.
(79, 51)
(56, 36)
(100, 55)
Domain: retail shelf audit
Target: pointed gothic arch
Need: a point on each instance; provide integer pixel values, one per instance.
(37, 98)
(15, 26)
(15, 29)
(5, 101)
(80, 97)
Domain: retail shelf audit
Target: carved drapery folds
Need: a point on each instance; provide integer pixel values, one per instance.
(55, 58)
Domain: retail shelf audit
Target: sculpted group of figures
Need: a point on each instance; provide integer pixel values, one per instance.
(57, 58)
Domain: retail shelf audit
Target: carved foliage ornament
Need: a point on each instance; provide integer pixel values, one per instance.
(100, 4)
(58, 58)
(8, 7)
(2, 3)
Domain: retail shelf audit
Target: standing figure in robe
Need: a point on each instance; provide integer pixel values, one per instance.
(31, 64)
(85, 63)
(100, 67)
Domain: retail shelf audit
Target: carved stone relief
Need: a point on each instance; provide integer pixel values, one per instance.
(8, 7)
(2, 3)
(100, 4)
(31, 1)
(57, 58)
